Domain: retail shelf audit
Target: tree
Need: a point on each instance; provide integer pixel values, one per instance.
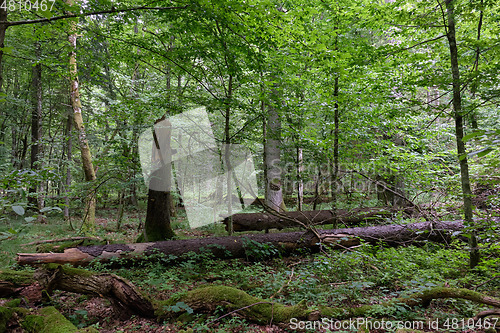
(88, 168)
(459, 130)
(157, 224)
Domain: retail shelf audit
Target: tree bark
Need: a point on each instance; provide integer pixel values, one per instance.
(37, 198)
(122, 294)
(69, 159)
(157, 224)
(459, 132)
(266, 221)
(88, 168)
(238, 247)
(3, 29)
(272, 152)
(300, 182)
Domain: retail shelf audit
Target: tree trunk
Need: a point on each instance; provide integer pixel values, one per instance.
(157, 225)
(300, 182)
(69, 149)
(335, 177)
(36, 195)
(121, 293)
(3, 29)
(227, 157)
(459, 132)
(272, 152)
(88, 168)
(266, 221)
(241, 247)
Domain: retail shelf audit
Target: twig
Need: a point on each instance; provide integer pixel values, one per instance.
(485, 282)
(283, 286)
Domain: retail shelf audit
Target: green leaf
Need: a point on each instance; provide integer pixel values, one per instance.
(18, 209)
(472, 135)
(29, 219)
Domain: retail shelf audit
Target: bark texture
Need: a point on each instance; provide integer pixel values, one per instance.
(459, 130)
(3, 29)
(241, 247)
(88, 168)
(266, 221)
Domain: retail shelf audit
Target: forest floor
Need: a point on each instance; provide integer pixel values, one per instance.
(366, 275)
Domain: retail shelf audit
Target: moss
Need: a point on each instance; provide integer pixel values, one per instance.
(71, 271)
(16, 277)
(33, 323)
(13, 303)
(49, 321)
(231, 298)
(5, 315)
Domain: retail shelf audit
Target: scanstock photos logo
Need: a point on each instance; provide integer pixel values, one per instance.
(181, 151)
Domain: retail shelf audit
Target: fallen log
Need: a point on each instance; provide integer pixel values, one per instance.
(349, 218)
(241, 246)
(121, 293)
(208, 299)
(212, 298)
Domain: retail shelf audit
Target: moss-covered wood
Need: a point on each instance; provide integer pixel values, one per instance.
(122, 294)
(237, 246)
(207, 299)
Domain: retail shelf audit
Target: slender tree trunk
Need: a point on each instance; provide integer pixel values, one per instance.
(335, 187)
(88, 168)
(300, 182)
(37, 197)
(459, 132)
(69, 147)
(227, 157)
(3, 29)
(475, 83)
(317, 193)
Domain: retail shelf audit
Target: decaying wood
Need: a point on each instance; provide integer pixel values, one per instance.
(214, 297)
(267, 220)
(210, 298)
(122, 294)
(238, 246)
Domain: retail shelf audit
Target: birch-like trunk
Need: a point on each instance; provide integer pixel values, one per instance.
(88, 168)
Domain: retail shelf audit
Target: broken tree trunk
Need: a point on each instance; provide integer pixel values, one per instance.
(239, 246)
(121, 293)
(266, 221)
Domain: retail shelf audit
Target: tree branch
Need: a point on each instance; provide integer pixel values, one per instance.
(71, 15)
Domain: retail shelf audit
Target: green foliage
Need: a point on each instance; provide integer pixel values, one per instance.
(258, 251)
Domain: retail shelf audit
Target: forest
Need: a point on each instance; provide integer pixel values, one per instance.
(249, 166)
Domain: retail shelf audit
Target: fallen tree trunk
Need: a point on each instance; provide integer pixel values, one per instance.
(121, 293)
(266, 221)
(241, 246)
(208, 299)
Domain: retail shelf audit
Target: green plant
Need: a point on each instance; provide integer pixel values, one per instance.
(259, 251)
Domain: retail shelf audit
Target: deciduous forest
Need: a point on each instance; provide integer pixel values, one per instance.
(249, 166)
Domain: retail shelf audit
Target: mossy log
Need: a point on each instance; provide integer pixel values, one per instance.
(121, 293)
(208, 299)
(349, 218)
(12, 283)
(238, 246)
